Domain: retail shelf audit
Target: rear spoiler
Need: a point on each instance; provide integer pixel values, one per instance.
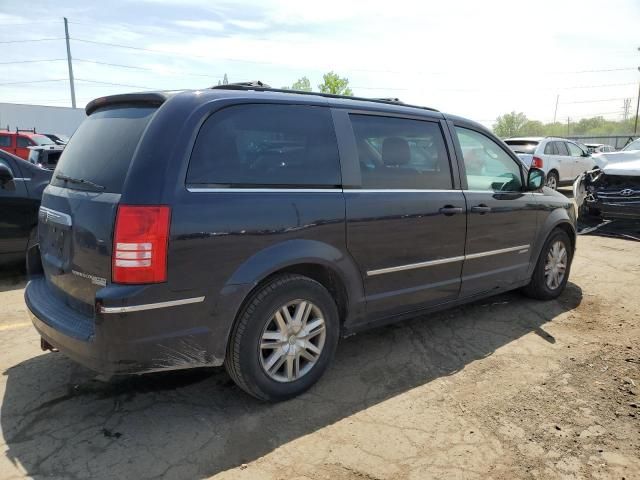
(152, 99)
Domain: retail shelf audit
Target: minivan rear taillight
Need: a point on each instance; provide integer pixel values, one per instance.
(140, 244)
(536, 162)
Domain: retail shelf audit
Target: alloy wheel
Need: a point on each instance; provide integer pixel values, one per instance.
(292, 341)
(556, 265)
(551, 182)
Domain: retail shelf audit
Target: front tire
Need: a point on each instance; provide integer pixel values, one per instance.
(284, 338)
(552, 269)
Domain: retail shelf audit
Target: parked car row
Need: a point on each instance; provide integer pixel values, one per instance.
(20, 142)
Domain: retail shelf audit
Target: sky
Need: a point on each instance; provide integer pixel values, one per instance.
(477, 59)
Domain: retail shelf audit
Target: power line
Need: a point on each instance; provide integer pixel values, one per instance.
(28, 23)
(31, 40)
(117, 84)
(33, 61)
(595, 101)
(146, 69)
(34, 81)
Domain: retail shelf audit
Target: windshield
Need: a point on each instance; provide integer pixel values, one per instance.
(635, 145)
(102, 148)
(42, 140)
(522, 146)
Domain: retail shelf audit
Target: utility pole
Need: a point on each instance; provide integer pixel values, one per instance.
(635, 128)
(73, 88)
(556, 111)
(568, 123)
(626, 107)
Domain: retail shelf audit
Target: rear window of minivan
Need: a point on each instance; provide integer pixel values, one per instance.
(101, 150)
(266, 145)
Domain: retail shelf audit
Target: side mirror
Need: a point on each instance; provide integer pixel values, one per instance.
(535, 179)
(6, 176)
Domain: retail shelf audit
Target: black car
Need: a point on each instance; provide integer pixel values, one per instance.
(254, 227)
(21, 186)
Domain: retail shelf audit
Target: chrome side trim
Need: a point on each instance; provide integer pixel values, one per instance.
(263, 190)
(48, 215)
(150, 306)
(441, 261)
(21, 179)
(494, 192)
(411, 266)
(397, 190)
(519, 249)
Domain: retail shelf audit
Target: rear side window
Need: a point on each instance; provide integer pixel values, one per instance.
(562, 148)
(551, 149)
(24, 142)
(5, 141)
(522, 146)
(398, 153)
(102, 148)
(266, 145)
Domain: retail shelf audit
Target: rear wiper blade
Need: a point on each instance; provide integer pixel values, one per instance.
(80, 181)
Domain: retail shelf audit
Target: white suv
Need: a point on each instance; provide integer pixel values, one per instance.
(562, 160)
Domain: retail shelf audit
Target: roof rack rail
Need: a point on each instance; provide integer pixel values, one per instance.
(389, 99)
(259, 86)
(243, 85)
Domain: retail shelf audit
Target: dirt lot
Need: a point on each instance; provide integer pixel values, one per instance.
(504, 388)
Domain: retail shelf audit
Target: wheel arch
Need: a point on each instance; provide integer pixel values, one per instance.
(324, 263)
(558, 219)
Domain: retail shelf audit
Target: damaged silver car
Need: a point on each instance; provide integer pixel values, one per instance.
(610, 191)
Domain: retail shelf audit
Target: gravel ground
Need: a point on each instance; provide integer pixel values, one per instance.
(503, 388)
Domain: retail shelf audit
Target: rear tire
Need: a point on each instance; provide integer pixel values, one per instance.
(284, 338)
(552, 269)
(552, 180)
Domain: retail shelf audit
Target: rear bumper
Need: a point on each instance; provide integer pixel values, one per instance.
(129, 342)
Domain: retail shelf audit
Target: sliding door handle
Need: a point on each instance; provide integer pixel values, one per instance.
(481, 209)
(450, 210)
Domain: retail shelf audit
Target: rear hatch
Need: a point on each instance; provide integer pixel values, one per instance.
(524, 149)
(78, 209)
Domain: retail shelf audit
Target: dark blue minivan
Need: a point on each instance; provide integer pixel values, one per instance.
(253, 227)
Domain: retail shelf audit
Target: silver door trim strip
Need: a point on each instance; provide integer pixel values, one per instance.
(151, 306)
(412, 266)
(397, 190)
(442, 261)
(48, 215)
(519, 249)
(22, 179)
(263, 190)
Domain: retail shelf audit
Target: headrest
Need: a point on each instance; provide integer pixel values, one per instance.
(395, 151)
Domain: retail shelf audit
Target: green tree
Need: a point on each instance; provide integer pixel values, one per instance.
(302, 84)
(333, 83)
(510, 124)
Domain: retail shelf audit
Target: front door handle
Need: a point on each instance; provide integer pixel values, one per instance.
(449, 210)
(481, 209)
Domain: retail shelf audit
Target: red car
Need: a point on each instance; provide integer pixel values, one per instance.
(18, 142)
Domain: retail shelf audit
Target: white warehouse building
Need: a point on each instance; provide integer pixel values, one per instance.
(44, 119)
